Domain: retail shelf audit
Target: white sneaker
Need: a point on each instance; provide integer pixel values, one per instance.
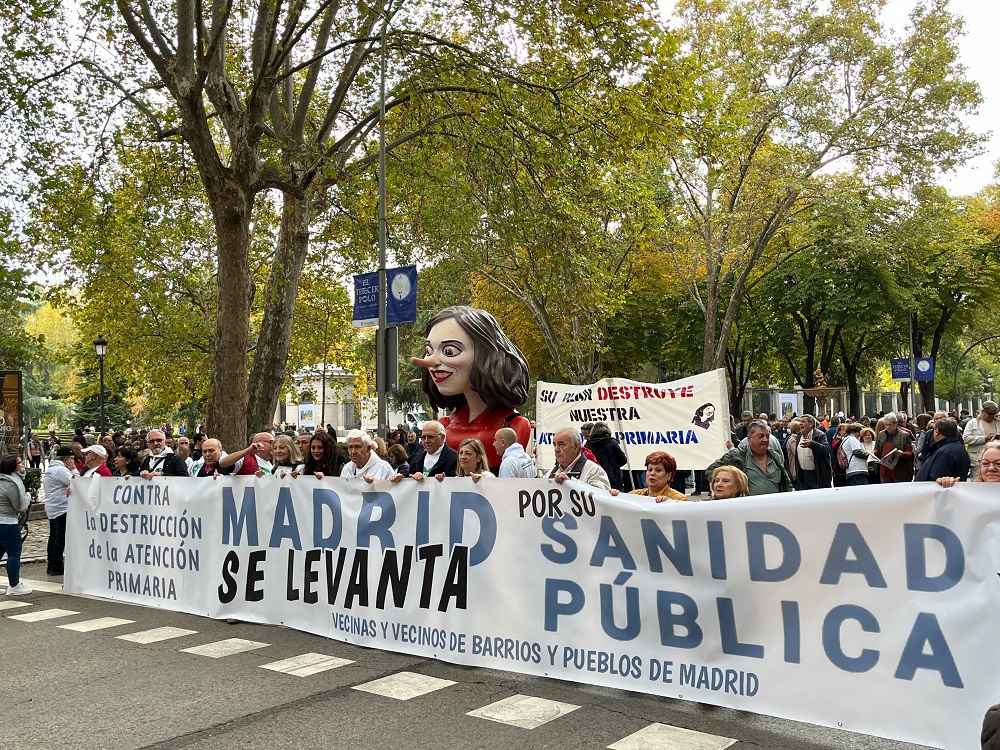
(18, 589)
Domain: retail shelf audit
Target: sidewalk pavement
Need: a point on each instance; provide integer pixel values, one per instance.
(36, 545)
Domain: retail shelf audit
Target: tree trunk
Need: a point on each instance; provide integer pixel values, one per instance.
(268, 371)
(227, 405)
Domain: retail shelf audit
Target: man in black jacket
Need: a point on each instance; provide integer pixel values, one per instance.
(434, 456)
(947, 456)
(161, 461)
(809, 456)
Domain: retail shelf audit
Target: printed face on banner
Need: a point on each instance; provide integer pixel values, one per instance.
(686, 418)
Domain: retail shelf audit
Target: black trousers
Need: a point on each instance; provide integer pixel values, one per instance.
(57, 543)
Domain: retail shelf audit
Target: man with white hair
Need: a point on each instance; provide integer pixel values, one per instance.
(434, 456)
(571, 463)
(895, 438)
(978, 432)
(364, 461)
(161, 461)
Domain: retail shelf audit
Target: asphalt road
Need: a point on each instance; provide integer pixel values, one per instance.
(74, 688)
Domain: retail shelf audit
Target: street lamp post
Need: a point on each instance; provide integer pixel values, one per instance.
(101, 347)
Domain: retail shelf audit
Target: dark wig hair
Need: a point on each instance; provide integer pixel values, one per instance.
(499, 371)
(700, 411)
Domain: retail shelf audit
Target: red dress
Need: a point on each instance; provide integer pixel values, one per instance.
(485, 426)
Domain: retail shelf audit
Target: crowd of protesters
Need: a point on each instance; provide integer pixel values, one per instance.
(764, 455)
(805, 453)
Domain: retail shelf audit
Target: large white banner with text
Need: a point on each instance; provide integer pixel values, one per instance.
(689, 418)
(874, 609)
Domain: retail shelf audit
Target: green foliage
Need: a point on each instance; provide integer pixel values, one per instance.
(33, 482)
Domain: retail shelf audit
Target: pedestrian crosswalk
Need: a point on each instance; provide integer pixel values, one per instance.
(524, 712)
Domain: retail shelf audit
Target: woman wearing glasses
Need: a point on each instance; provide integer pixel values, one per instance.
(989, 467)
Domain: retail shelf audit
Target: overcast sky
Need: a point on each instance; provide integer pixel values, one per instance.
(982, 19)
(979, 55)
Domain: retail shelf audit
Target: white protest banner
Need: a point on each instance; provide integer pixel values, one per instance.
(874, 609)
(689, 418)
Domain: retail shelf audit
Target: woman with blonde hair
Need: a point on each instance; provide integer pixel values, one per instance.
(729, 481)
(287, 458)
(989, 467)
(472, 461)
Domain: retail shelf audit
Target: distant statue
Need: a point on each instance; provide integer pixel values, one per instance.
(820, 379)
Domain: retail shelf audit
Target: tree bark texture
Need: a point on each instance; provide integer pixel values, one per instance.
(268, 371)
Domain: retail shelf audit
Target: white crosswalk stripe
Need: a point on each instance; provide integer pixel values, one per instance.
(43, 614)
(522, 711)
(101, 623)
(228, 647)
(306, 664)
(49, 587)
(404, 685)
(525, 711)
(156, 635)
(666, 737)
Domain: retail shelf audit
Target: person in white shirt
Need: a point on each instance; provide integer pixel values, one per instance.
(978, 432)
(364, 461)
(515, 462)
(571, 463)
(56, 483)
(265, 461)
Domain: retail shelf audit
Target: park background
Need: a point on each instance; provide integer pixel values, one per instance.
(775, 187)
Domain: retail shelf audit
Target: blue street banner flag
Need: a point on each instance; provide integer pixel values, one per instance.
(365, 300)
(401, 297)
(900, 370)
(925, 368)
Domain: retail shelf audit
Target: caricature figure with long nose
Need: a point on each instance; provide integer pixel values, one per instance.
(471, 366)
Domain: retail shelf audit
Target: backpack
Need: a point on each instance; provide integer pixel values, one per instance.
(842, 458)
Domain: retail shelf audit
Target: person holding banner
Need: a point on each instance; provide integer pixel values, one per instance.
(56, 484)
(572, 464)
(728, 482)
(988, 465)
(763, 467)
(365, 461)
(472, 367)
(471, 461)
(515, 462)
(287, 459)
(435, 455)
(660, 470)
(323, 459)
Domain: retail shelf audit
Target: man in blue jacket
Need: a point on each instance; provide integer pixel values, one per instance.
(947, 456)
